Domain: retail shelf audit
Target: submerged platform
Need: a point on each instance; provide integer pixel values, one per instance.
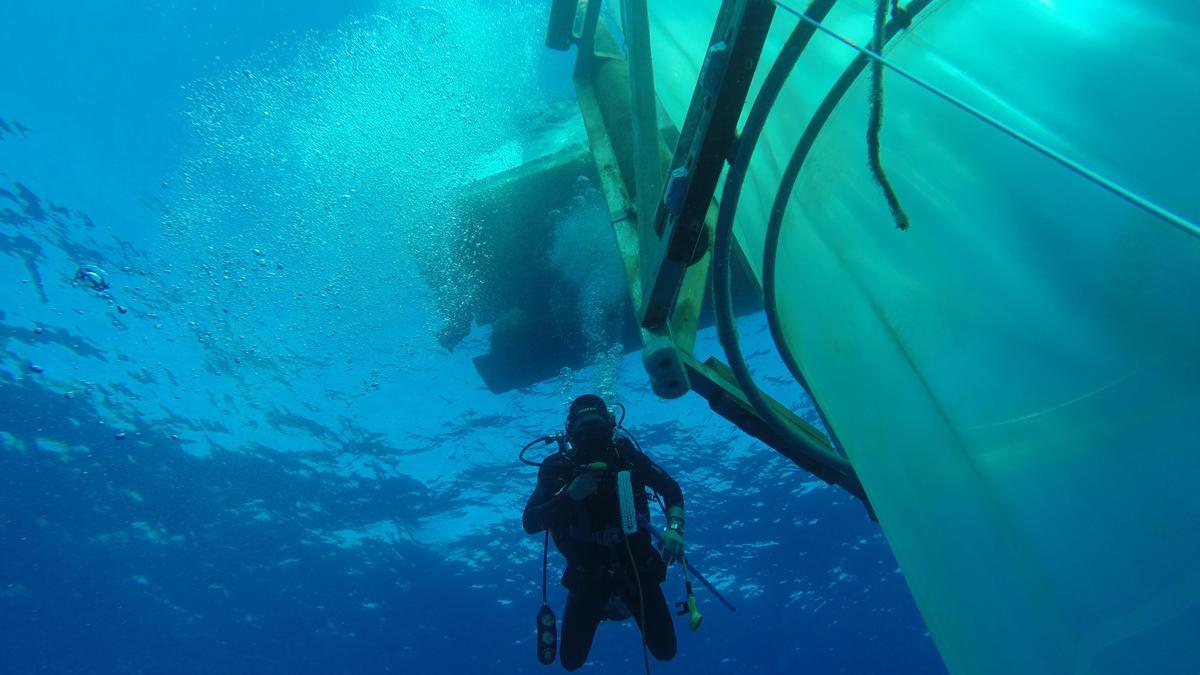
(534, 313)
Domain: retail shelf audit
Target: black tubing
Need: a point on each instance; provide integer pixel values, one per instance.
(562, 22)
(544, 439)
(735, 178)
(787, 184)
(637, 577)
(723, 241)
(545, 562)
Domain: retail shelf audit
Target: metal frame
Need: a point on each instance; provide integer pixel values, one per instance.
(706, 141)
(666, 255)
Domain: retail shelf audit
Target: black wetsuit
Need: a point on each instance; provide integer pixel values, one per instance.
(598, 563)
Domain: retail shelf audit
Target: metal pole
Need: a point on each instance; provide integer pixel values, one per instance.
(648, 177)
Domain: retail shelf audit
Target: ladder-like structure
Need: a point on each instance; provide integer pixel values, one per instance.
(663, 209)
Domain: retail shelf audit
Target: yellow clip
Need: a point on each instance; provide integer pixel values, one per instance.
(695, 617)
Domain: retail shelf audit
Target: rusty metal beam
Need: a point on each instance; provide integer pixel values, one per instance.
(705, 143)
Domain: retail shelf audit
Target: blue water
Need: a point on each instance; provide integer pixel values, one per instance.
(234, 443)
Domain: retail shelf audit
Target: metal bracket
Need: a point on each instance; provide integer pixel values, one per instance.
(714, 381)
(679, 237)
(586, 39)
(704, 146)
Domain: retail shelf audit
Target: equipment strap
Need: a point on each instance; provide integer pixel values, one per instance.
(545, 562)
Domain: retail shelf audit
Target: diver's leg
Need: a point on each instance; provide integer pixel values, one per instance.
(580, 619)
(659, 630)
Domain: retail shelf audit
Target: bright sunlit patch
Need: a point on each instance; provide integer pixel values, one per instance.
(150, 532)
(384, 531)
(10, 441)
(51, 445)
(13, 591)
(750, 591)
(809, 486)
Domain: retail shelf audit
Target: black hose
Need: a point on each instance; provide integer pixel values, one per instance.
(622, 407)
(723, 241)
(544, 439)
(791, 173)
(628, 434)
(545, 563)
(637, 577)
(751, 132)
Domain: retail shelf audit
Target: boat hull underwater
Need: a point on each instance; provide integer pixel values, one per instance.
(1015, 377)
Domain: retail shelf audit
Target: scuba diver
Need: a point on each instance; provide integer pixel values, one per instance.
(602, 527)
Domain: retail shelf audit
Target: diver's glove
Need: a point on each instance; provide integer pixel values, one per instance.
(584, 485)
(673, 536)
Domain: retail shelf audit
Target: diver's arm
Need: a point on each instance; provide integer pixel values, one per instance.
(546, 501)
(655, 477)
(658, 480)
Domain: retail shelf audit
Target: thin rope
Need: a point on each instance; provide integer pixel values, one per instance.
(1160, 212)
(633, 564)
(875, 122)
(641, 603)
